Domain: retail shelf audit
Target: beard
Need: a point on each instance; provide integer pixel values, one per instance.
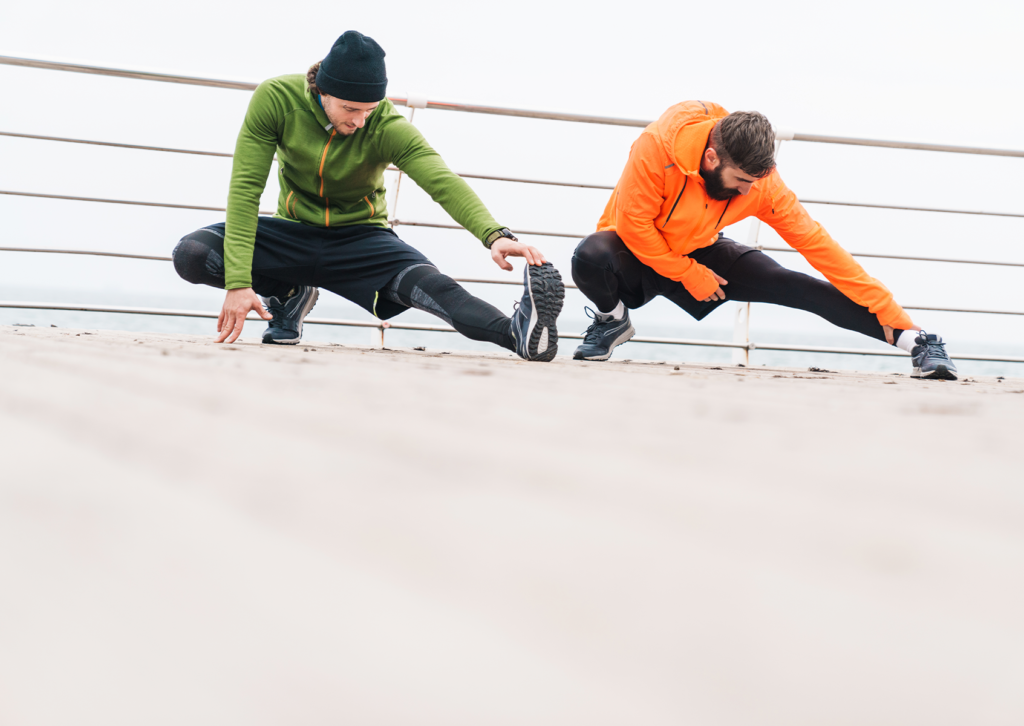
(342, 130)
(714, 185)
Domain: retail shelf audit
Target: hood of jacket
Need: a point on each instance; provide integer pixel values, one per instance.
(684, 130)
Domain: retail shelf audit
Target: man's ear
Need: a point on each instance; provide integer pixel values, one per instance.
(711, 160)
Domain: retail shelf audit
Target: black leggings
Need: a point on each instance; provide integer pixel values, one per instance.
(199, 259)
(425, 288)
(607, 272)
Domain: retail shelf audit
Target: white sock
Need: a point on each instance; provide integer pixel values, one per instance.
(618, 313)
(908, 340)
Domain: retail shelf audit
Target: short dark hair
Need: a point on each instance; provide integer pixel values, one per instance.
(745, 139)
(311, 78)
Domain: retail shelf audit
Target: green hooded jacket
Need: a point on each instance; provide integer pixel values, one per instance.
(328, 179)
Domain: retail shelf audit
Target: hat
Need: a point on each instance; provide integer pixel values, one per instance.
(354, 69)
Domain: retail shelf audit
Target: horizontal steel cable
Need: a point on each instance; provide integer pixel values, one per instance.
(491, 110)
(118, 201)
(66, 140)
(518, 180)
(979, 150)
(437, 225)
(467, 280)
(127, 255)
(74, 307)
(121, 73)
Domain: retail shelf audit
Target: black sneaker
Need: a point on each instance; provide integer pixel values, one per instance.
(930, 358)
(533, 322)
(286, 327)
(603, 335)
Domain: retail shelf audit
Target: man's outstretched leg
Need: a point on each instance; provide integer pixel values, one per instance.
(611, 276)
(531, 332)
(199, 258)
(756, 277)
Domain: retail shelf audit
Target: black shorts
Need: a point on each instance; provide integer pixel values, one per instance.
(639, 284)
(355, 262)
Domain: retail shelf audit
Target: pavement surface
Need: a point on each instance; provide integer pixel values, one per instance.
(209, 534)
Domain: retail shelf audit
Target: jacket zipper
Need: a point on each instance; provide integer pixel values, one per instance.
(672, 211)
(287, 203)
(323, 158)
(372, 211)
(723, 212)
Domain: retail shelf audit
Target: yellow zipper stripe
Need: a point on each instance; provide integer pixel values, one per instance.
(288, 201)
(323, 158)
(372, 211)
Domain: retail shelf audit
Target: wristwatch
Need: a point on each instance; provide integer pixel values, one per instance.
(495, 236)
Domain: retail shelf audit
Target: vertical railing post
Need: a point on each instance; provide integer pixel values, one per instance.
(412, 103)
(741, 321)
(377, 334)
(398, 184)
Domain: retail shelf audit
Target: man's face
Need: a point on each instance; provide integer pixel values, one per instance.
(723, 181)
(347, 116)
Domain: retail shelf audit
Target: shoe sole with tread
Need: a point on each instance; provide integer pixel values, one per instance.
(547, 293)
(941, 373)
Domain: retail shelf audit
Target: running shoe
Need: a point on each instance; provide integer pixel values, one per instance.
(603, 335)
(930, 358)
(286, 327)
(533, 322)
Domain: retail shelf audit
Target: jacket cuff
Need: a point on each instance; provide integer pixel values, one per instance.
(701, 284)
(894, 316)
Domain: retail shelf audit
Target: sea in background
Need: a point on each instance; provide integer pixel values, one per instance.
(658, 319)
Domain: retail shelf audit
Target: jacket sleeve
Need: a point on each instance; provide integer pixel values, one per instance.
(402, 144)
(639, 198)
(783, 212)
(254, 155)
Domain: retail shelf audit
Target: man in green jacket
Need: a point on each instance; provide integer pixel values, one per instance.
(335, 133)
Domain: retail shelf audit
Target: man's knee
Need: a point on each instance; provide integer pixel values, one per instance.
(598, 249)
(198, 258)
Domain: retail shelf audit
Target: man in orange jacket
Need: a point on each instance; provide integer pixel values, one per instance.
(693, 172)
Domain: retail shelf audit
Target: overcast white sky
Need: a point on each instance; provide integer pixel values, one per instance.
(937, 72)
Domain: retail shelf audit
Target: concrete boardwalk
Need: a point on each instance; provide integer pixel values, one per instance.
(203, 534)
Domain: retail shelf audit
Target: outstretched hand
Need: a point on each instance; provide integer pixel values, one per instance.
(237, 304)
(718, 294)
(504, 247)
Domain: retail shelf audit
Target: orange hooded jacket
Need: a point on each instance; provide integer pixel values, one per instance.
(662, 212)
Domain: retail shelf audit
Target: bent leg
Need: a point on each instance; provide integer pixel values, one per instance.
(199, 258)
(425, 288)
(756, 277)
(607, 272)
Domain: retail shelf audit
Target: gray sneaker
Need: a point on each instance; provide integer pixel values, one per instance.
(603, 335)
(930, 358)
(286, 327)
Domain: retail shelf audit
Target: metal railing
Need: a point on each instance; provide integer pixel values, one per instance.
(741, 343)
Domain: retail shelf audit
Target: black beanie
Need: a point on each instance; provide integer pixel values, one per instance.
(354, 69)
